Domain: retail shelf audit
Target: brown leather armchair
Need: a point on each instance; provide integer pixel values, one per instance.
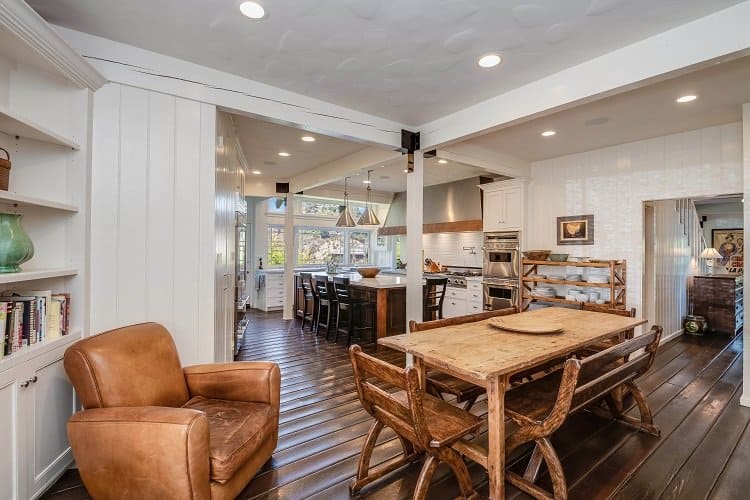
(151, 429)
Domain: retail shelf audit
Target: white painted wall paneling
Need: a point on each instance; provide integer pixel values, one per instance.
(745, 400)
(613, 184)
(148, 227)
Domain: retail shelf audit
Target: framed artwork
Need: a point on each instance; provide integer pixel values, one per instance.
(730, 243)
(575, 230)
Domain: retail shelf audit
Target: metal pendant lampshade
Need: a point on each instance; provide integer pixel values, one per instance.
(368, 217)
(346, 219)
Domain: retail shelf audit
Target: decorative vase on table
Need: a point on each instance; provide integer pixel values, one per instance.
(15, 245)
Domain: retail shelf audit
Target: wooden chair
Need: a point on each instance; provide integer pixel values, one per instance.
(540, 407)
(433, 296)
(422, 423)
(439, 383)
(308, 300)
(606, 344)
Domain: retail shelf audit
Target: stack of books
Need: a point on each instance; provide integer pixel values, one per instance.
(31, 317)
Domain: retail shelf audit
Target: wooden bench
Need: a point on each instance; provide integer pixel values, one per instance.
(540, 407)
(422, 423)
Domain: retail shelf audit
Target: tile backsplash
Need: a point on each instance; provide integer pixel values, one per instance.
(454, 249)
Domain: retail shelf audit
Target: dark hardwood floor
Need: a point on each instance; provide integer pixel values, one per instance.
(694, 389)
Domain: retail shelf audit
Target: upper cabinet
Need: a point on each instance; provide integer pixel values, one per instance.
(504, 205)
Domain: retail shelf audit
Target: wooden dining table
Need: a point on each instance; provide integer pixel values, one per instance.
(487, 356)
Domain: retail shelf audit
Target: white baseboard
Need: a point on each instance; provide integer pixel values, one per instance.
(671, 336)
(745, 400)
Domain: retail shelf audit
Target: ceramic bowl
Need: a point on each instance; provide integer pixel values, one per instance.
(536, 254)
(558, 257)
(368, 272)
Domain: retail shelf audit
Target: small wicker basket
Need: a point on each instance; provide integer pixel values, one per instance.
(4, 170)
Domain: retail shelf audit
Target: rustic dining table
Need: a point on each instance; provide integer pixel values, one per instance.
(487, 356)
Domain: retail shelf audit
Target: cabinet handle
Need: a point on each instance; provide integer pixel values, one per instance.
(29, 381)
(33, 380)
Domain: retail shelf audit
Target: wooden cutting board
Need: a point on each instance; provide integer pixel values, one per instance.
(522, 323)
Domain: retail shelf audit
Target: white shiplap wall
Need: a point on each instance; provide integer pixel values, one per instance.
(152, 215)
(613, 183)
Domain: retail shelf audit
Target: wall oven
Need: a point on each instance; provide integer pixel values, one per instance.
(501, 256)
(500, 294)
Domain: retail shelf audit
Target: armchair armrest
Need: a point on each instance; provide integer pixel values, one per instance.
(251, 381)
(142, 452)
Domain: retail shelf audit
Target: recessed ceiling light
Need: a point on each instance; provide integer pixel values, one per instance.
(284, 153)
(253, 10)
(548, 133)
(256, 172)
(489, 61)
(687, 98)
(442, 162)
(366, 181)
(308, 138)
(406, 170)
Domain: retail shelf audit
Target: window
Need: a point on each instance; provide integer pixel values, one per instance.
(275, 246)
(276, 205)
(320, 208)
(359, 248)
(317, 245)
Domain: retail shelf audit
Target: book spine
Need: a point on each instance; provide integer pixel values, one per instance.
(3, 336)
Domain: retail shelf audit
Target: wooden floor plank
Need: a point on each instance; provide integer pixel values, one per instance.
(692, 387)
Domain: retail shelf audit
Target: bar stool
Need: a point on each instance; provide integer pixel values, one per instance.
(308, 299)
(359, 313)
(433, 295)
(322, 303)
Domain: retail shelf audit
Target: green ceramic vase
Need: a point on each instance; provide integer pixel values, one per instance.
(15, 245)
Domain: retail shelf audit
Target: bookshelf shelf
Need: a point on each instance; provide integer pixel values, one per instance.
(12, 123)
(36, 274)
(25, 200)
(20, 357)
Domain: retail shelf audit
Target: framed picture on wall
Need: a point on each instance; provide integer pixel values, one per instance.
(575, 230)
(731, 245)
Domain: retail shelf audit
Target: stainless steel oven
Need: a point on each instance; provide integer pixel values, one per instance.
(501, 256)
(500, 294)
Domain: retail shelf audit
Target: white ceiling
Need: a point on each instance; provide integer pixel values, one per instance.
(647, 112)
(262, 141)
(411, 61)
(391, 178)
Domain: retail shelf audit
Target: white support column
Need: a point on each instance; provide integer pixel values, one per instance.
(414, 221)
(745, 399)
(289, 257)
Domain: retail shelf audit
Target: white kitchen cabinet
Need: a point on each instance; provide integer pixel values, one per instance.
(453, 307)
(271, 296)
(504, 205)
(36, 401)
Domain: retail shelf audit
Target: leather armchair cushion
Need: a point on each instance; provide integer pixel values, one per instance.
(237, 430)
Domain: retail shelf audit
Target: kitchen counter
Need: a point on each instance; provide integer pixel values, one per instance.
(387, 292)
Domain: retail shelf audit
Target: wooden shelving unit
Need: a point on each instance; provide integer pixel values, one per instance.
(617, 285)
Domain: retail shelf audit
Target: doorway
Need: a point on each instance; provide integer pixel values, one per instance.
(682, 275)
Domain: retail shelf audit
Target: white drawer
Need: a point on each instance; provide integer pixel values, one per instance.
(474, 307)
(475, 295)
(474, 285)
(455, 293)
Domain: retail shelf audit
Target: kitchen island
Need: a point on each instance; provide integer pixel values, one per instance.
(386, 291)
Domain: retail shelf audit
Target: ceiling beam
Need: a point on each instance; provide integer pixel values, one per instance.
(719, 36)
(324, 174)
(493, 161)
(130, 65)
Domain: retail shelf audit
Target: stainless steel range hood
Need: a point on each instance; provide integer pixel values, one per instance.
(451, 207)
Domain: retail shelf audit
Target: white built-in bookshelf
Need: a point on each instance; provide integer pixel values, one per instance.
(45, 123)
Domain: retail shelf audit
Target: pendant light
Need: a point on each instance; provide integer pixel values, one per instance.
(368, 217)
(346, 219)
